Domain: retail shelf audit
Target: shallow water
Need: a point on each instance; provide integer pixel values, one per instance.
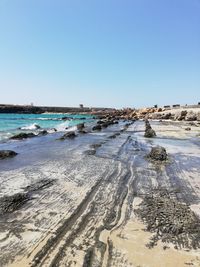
(11, 124)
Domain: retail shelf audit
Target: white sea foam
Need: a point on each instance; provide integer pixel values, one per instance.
(33, 126)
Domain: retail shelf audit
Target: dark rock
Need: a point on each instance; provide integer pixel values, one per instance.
(7, 154)
(44, 132)
(180, 115)
(100, 122)
(66, 118)
(188, 129)
(105, 125)
(149, 133)
(83, 131)
(80, 126)
(97, 128)
(166, 116)
(68, 135)
(158, 153)
(90, 152)
(37, 126)
(21, 136)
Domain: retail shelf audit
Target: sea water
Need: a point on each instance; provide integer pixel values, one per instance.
(11, 124)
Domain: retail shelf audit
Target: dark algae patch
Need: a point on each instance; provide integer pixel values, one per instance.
(170, 220)
(12, 203)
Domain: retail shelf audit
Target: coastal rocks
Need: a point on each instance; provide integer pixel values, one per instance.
(166, 116)
(170, 220)
(91, 152)
(68, 135)
(66, 118)
(191, 116)
(44, 132)
(97, 128)
(149, 132)
(21, 136)
(188, 129)
(7, 154)
(180, 115)
(158, 153)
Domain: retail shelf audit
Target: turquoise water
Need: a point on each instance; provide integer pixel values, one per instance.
(13, 123)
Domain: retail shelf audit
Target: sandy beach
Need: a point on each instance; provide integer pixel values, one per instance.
(79, 206)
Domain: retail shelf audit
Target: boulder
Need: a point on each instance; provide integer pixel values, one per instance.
(97, 128)
(188, 129)
(67, 135)
(149, 133)
(158, 153)
(191, 116)
(7, 154)
(44, 132)
(166, 116)
(21, 136)
(180, 115)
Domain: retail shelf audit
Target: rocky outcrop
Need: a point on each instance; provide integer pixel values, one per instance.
(158, 153)
(68, 135)
(149, 132)
(21, 136)
(7, 154)
(43, 132)
(97, 128)
(180, 115)
(191, 116)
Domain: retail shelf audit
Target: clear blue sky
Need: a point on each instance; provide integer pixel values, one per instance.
(114, 53)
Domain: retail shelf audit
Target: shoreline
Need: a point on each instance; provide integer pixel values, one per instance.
(82, 194)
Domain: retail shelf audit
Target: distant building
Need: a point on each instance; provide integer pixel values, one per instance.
(80, 105)
(32, 104)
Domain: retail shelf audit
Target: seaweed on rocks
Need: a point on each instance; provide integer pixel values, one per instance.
(9, 204)
(12, 203)
(158, 153)
(170, 220)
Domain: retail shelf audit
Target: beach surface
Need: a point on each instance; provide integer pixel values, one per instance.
(76, 200)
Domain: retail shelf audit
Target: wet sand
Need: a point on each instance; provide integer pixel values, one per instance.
(81, 206)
